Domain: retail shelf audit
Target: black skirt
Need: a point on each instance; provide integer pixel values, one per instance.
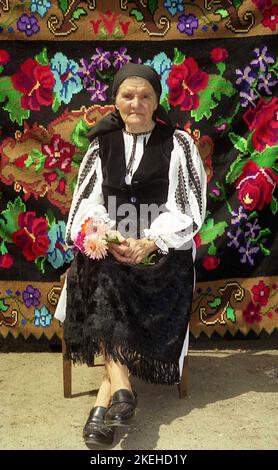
(138, 314)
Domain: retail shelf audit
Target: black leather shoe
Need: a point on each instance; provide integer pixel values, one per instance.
(122, 409)
(96, 432)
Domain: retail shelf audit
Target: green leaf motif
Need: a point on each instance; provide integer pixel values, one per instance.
(274, 205)
(239, 142)
(215, 302)
(79, 135)
(137, 14)
(10, 223)
(211, 96)
(78, 12)
(221, 67)
(179, 58)
(210, 231)
(267, 157)
(3, 248)
(56, 103)
(230, 314)
(50, 217)
(265, 251)
(237, 3)
(3, 306)
(42, 58)
(40, 263)
(212, 250)
(223, 13)
(235, 169)
(63, 5)
(165, 103)
(73, 183)
(152, 6)
(13, 101)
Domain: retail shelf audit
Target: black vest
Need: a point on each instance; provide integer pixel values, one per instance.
(149, 184)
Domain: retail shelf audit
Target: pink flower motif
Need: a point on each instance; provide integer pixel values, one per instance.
(185, 81)
(79, 241)
(252, 313)
(270, 18)
(36, 82)
(4, 57)
(256, 186)
(210, 262)
(6, 261)
(59, 154)
(261, 293)
(218, 54)
(263, 120)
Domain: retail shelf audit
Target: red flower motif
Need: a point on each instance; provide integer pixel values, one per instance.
(252, 313)
(95, 25)
(59, 153)
(31, 238)
(261, 293)
(20, 161)
(218, 54)
(263, 119)
(6, 261)
(4, 57)
(36, 82)
(197, 240)
(61, 188)
(185, 80)
(210, 262)
(270, 18)
(256, 186)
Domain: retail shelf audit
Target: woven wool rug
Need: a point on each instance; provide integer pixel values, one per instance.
(57, 61)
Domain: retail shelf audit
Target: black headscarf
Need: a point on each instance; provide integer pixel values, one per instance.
(113, 121)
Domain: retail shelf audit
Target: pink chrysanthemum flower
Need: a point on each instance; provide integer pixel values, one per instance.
(95, 247)
(79, 241)
(86, 223)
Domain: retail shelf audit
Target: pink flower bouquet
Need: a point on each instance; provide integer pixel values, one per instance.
(93, 238)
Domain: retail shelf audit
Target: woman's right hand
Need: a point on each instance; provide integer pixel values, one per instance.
(120, 251)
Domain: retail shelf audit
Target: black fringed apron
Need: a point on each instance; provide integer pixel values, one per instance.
(138, 314)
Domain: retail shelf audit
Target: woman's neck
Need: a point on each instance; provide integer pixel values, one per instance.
(140, 129)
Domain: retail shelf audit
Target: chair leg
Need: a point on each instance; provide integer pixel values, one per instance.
(66, 372)
(183, 385)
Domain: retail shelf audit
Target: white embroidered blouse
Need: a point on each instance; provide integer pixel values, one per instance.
(186, 201)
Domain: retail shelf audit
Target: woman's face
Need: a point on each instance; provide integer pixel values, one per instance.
(136, 102)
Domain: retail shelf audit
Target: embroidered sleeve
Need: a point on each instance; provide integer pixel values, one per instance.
(186, 202)
(87, 198)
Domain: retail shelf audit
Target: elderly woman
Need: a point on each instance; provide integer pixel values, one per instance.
(147, 177)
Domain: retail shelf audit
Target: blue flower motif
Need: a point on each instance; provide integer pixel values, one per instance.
(239, 216)
(42, 317)
(262, 58)
(40, 6)
(58, 253)
(187, 24)
(162, 64)
(67, 81)
(245, 77)
(248, 252)
(174, 6)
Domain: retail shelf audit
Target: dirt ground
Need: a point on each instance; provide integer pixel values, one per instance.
(232, 402)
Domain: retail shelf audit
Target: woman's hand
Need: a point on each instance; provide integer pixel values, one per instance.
(119, 250)
(139, 249)
(132, 251)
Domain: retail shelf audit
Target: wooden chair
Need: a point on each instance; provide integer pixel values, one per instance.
(67, 367)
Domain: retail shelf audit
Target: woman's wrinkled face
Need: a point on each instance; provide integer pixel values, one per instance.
(136, 101)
